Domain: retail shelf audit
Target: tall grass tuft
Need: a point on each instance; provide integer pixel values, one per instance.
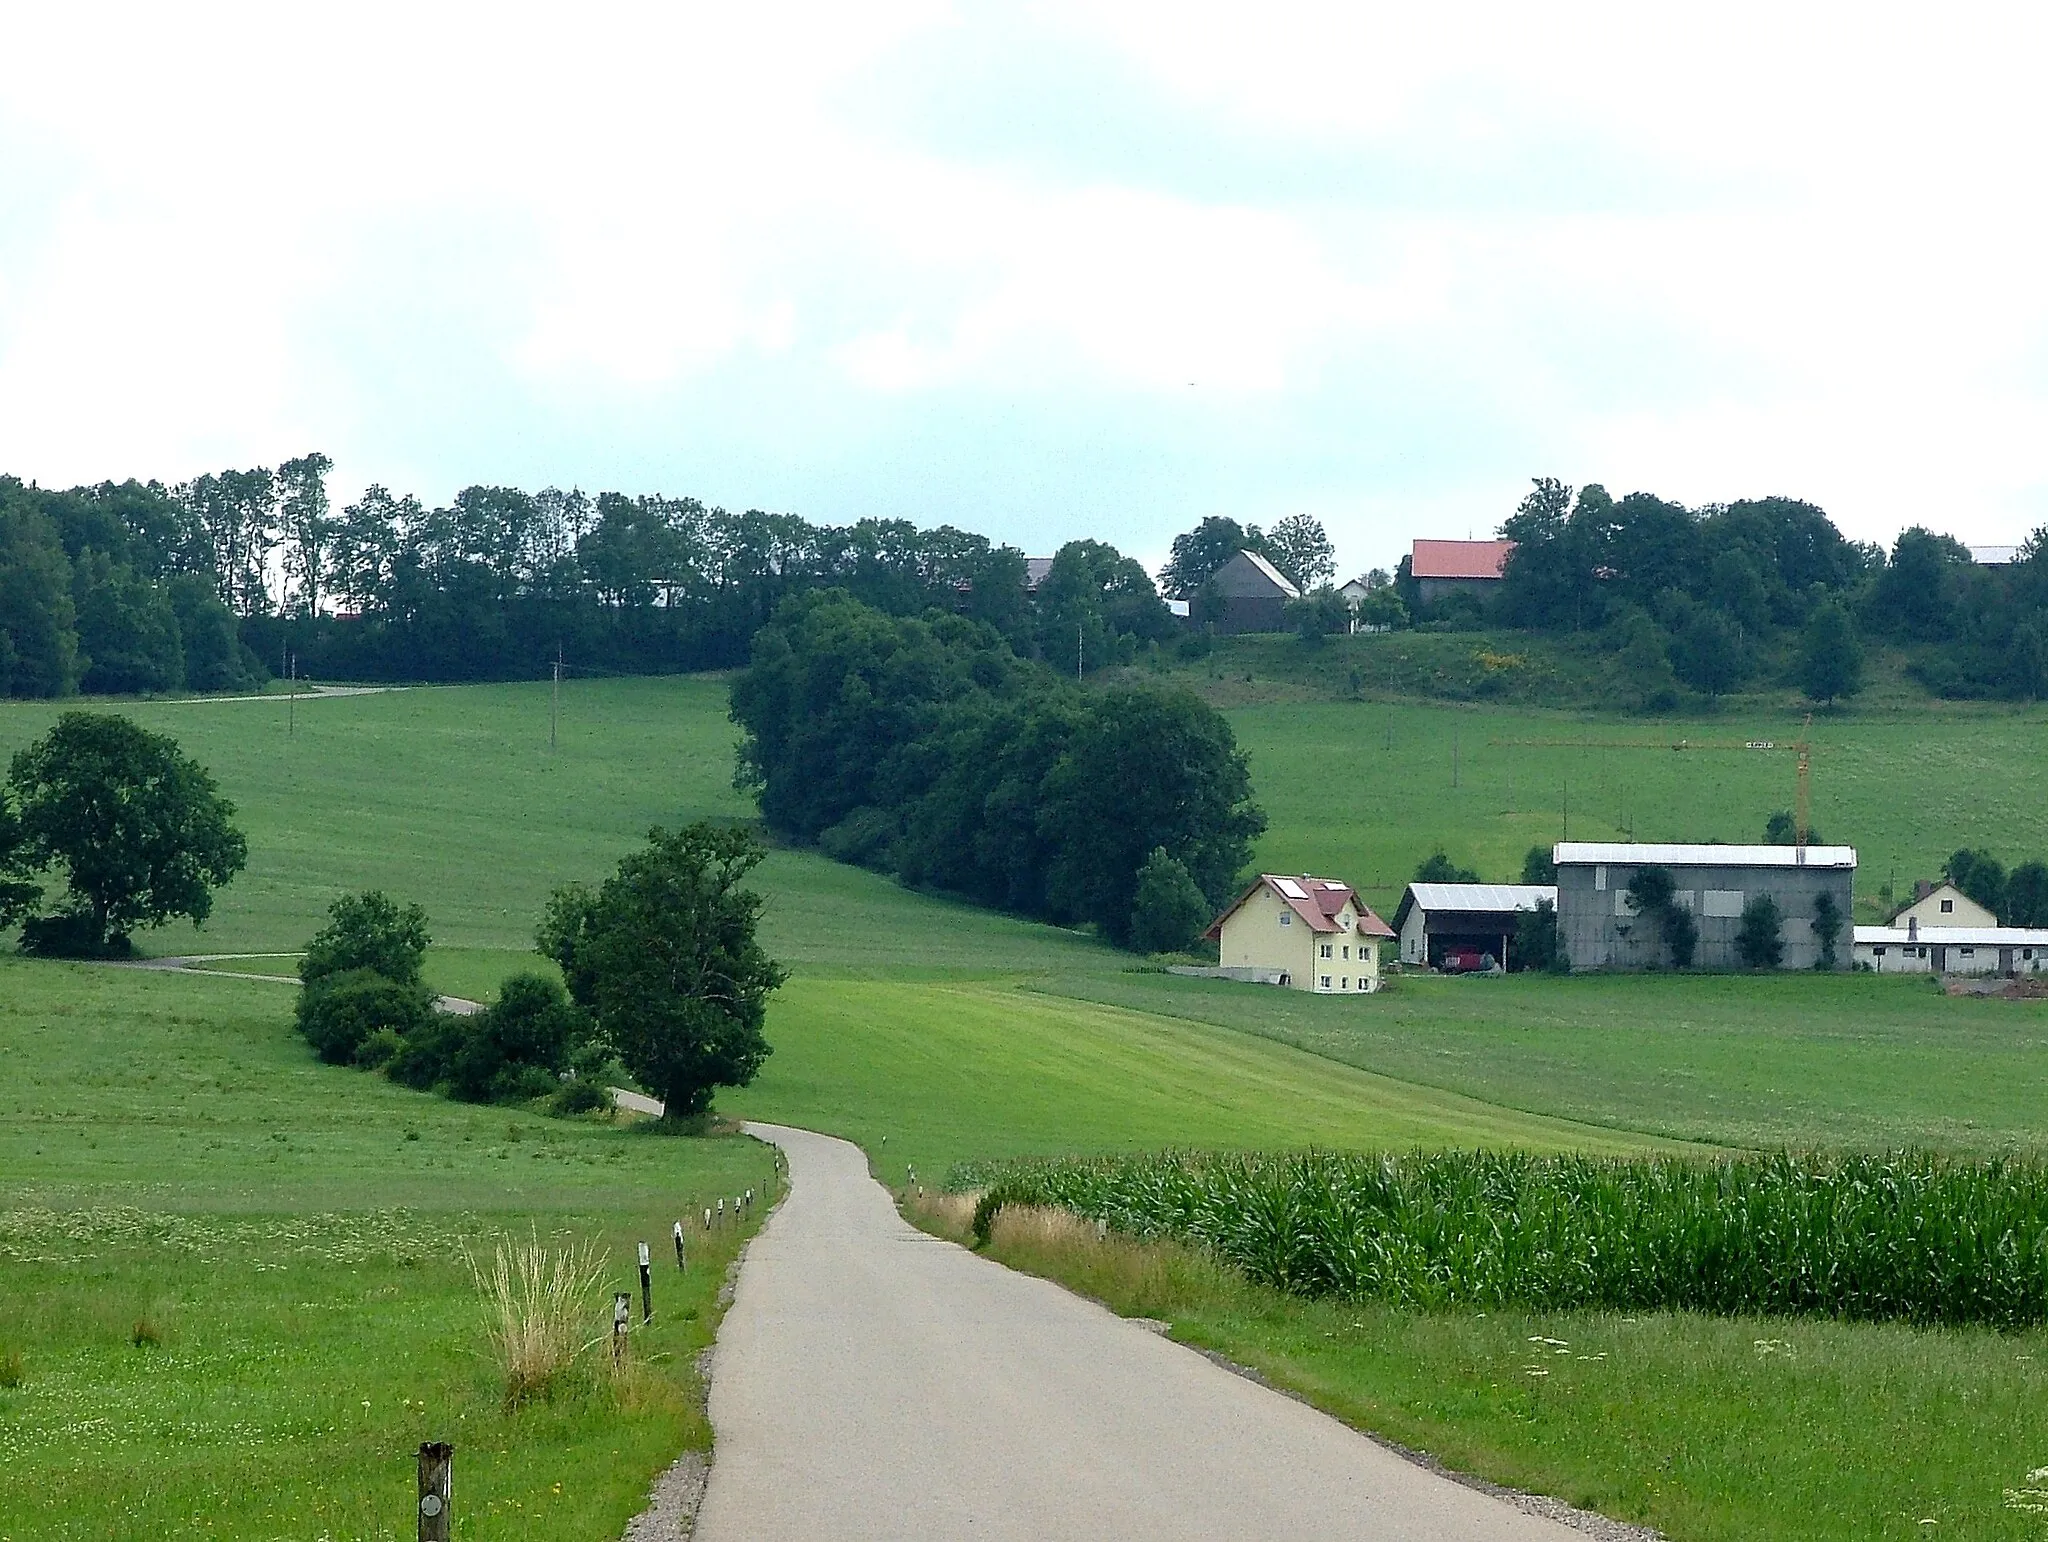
(11, 1369)
(1907, 1236)
(540, 1306)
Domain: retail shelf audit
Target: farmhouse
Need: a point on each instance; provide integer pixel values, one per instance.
(1598, 927)
(1312, 934)
(1444, 568)
(1439, 919)
(1942, 905)
(1246, 594)
(1917, 949)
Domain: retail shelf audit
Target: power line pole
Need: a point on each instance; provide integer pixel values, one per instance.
(291, 711)
(555, 699)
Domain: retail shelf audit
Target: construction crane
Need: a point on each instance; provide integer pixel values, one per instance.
(1801, 747)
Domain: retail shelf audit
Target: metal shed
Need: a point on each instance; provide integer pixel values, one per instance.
(1438, 917)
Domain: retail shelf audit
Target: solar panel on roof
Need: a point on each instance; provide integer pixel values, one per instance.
(1290, 888)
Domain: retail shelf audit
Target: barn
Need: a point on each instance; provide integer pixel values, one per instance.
(1439, 919)
(1598, 927)
(1917, 949)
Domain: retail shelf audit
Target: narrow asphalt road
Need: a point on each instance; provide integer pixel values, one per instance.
(875, 1382)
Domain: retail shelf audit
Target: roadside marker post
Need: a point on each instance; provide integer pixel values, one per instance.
(681, 1262)
(437, 1490)
(707, 1218)
(646, 1286)
(622, 1314)
(721, 1210)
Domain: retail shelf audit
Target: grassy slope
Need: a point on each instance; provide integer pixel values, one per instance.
(904, 1019)
(1797, 1060)
(170, 1152)
(945, 1070)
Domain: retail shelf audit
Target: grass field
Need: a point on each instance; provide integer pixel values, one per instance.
(292, 1236)
(960, 1034)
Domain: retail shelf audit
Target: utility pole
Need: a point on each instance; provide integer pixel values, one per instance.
(1567, 809)
(555, 699)
(291, 711)
(1454, 757)
(1077, 650)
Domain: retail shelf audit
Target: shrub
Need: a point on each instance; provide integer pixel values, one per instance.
(368, 931)
(1170, 910)
(1758, 942)
(1827, 928)
(12, 1369)
(71, 934)
(340, 1011)
(579, 1095)
(1536, 937)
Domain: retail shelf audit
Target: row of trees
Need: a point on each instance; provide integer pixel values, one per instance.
(139, 588)
(111, 589)
(924, 746)
(1709, 598)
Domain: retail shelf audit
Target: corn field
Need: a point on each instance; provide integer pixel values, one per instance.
(1908, 1236)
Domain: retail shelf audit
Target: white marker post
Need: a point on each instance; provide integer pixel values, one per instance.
(622, 1313)
(681, 1262)
(646, 1286)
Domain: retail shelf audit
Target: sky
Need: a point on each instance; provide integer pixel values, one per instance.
(1042, 271)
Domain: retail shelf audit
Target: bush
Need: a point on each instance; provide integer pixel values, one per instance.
(517, 1048)
(71, 934)
(1170, 911)
(340, 1012)
(1536, 937)
(579, 1095)
(1758, 942)
(368, 931)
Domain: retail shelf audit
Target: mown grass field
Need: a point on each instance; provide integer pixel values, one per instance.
(958, 1034)
(293, 1236)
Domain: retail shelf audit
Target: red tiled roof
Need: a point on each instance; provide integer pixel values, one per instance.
(1316, 900)
(1459, 559)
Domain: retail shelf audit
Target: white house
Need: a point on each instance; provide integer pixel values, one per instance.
(1917, 949)
(1307, 933)
(1944, 905)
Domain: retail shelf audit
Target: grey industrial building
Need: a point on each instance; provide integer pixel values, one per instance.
(1599, 929)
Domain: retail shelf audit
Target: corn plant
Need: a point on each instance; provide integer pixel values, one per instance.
(1907, 1236)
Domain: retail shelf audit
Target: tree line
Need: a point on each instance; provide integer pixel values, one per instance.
(207, 585)
(926, 747)
(1709, 599)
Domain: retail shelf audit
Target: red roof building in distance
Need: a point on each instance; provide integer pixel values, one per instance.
(1444, 568)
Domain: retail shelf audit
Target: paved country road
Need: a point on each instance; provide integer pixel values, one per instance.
(871, 1381)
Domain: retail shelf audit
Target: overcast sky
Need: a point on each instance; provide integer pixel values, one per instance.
(1048, 271)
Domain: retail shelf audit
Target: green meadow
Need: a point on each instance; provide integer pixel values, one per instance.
(170, 1151)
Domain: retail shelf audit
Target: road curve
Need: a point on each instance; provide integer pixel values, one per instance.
(872, 1382)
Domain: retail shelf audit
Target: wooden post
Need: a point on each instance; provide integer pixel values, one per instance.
(437, 1489)
(646, 1286)
(622, 1314)
(681, 1261)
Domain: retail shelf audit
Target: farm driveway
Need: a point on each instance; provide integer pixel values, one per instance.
(874, 1382)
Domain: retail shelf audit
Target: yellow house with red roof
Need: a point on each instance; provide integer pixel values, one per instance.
(1308, 933)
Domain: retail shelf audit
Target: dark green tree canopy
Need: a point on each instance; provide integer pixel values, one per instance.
(1830, 655)
(1439, 868)
(138, 828)
(1170, 910)
(1299, 547)
(369, 931)
(1760, 941)
(1197, 554)
(664, 957)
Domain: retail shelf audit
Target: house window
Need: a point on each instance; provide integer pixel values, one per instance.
(1347, 950)
(1969, 953)
(1345, 983)
(2026, 952)
(1326, 982)
(1877, 952)
(1947, 906)
(1923, 953)
(1326, 950)
(1286, 918)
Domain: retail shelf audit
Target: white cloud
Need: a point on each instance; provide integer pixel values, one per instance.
(1763, 248)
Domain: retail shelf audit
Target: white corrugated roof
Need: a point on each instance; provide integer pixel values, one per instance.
(1482, 896)
(1956, 936)
(1618, 854)
(1287, 585)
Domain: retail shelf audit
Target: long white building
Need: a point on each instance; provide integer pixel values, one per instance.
(1916, 949)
